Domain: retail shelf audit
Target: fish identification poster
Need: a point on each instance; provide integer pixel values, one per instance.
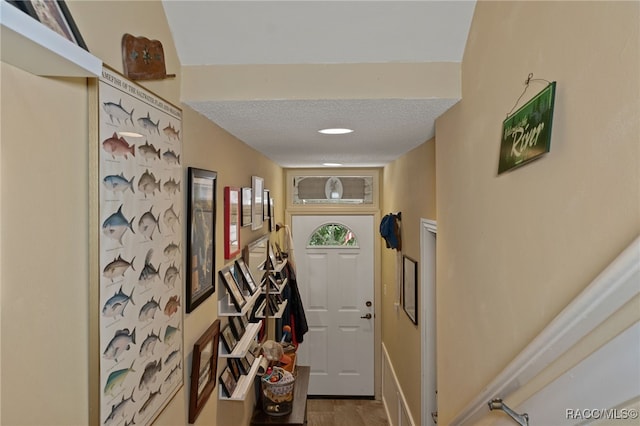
(141, 249)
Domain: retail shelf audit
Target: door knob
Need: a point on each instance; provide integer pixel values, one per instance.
(368, 316)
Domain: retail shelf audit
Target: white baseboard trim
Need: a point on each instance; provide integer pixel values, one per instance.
(399, 399)
(615, 286)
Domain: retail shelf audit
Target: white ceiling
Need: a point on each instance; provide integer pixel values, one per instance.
(254, 33)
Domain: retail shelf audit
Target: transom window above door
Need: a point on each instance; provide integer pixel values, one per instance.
(333, 235)
(333, 190)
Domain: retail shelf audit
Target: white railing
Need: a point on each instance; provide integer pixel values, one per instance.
(614, 287)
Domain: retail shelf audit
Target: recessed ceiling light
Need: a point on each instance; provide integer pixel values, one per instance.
(332, 164)
(335, 131)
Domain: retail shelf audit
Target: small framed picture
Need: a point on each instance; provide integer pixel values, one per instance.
(257, 207)
(245, 321)
(228, 339)
(247, 202)
(234, 367)
(228, 382)
(56, 16)
(231, 221)
(245, 365)
(238, 327)
(250, 357)
(234, 290)
(410, 288)
(247, 278)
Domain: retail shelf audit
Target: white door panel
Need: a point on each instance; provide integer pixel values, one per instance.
(335, 285)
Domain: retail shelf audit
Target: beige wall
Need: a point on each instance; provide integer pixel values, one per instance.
(514, 249)
(45, 226)
(409, 187)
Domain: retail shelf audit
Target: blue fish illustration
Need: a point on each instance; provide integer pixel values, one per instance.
(117, 268)
(149, 125)
(149, 375)
(118, 411)
(117, 379)
(121, 342)
(171, 157)
(149, 272)
(118, 183)
(147, 183)
(149, 344)
(148, 223)
(116, 304)
(116, 110)
(169, 334)
(116, 225)
(148, 311)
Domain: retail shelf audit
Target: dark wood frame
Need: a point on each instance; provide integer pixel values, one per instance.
(197, 243)
(410, 286)
(61, 15)
(197, 400)
(231, 220)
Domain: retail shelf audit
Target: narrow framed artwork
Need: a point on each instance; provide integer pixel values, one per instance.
(228, 339)
(201, 227)
(265, 205)
(257, 207)
(228, 382)
(410, 288)
(204, 366)
(247, 278)
(56, 16)
(247, 202)
(231, 222)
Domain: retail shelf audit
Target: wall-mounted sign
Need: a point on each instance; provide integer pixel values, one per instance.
(526, 134)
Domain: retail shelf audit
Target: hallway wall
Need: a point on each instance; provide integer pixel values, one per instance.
(45, 225)
(514, 250)
(408, 186)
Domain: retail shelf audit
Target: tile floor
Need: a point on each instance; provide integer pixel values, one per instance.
(346, 412)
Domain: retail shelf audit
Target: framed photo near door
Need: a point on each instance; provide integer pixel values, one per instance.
(410, 288)
(257, 207)
(231, 221)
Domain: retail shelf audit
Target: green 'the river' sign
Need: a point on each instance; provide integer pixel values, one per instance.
(526, 134)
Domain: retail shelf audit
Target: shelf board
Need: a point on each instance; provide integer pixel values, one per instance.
(253, 328)
(33, 47)
(244, 383)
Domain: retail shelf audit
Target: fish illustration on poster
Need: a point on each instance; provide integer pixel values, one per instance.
(141, 248)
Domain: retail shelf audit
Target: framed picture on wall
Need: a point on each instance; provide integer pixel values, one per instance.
(410, 288)
(201, 211)
(204, 366)
(247, 202)
(257, 207)
(231, 221)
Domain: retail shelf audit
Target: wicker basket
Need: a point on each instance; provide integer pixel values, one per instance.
(277, 396)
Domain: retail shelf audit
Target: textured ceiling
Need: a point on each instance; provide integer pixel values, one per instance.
(253, 33)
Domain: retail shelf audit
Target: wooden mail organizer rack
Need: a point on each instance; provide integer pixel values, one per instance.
(298, 415)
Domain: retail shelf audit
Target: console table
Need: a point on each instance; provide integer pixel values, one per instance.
(298, 415)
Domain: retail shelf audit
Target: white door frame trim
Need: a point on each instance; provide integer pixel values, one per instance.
(428, 231)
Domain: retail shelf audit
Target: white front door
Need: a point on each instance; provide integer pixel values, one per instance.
(336, 283)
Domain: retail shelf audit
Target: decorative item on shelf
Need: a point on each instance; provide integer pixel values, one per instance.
(204, 366)
(143, 59)
(201, 215)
